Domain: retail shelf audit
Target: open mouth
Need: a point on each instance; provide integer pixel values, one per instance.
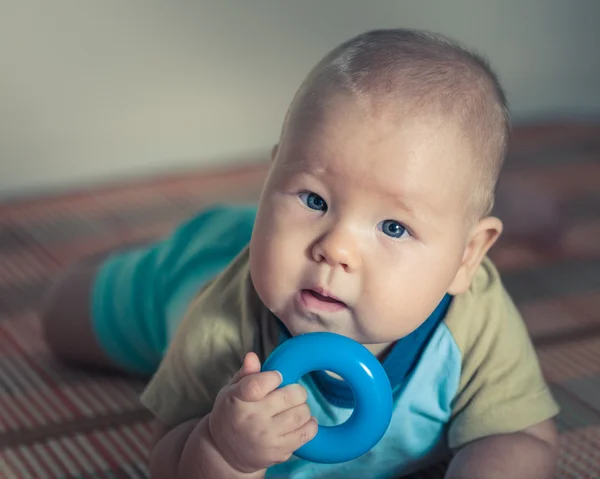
(320, 301)
(322, 297)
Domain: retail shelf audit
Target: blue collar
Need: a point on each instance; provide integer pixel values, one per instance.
(398, 364)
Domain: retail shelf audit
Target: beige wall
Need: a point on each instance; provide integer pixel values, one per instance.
(95, 90)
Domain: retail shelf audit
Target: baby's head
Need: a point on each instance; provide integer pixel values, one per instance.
(377, 203)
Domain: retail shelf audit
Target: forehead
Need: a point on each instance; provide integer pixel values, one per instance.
(421, 158)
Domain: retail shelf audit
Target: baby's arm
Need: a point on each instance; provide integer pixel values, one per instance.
(188, 451)
(501, 424)
(252, 426)
(531, 454)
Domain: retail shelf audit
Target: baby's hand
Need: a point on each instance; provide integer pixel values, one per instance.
(254, 425)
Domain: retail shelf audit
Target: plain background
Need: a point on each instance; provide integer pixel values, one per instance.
(97, 91)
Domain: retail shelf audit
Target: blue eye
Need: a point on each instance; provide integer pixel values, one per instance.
(313, 201)
(393, 229)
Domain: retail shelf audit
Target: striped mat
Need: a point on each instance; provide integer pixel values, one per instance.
(63, 422)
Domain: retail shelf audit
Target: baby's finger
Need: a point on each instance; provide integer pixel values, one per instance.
(251, 365)
(292, 419)
(286, 398)
(295, 439)
(256, 386)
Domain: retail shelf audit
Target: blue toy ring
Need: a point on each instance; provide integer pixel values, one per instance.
(364, 374)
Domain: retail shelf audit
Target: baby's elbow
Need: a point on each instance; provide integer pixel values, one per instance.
(159, 430)
(546, 433)
(547, 439)
(168, 444)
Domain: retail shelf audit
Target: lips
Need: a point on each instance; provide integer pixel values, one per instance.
(320, 300)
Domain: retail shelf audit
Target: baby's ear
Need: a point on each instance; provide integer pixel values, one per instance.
(274, 151)
(483, 236)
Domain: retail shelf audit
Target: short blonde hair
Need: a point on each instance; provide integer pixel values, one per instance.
(432, 72)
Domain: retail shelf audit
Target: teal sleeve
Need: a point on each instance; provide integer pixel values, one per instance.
(140, 295)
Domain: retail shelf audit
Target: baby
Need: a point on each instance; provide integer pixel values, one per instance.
(374, 223)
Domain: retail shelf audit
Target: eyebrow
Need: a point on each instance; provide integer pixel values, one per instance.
(296, 167)
(419, 213)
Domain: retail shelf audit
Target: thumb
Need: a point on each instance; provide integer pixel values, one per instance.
(250, 366)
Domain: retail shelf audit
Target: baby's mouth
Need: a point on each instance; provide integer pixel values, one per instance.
(321, 301)
(325, 298)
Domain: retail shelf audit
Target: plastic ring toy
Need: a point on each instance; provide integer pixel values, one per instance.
(364, 374)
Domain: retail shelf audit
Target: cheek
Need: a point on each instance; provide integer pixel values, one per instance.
(263, 255)
(400, 294)
(275, 257)
(282, 227)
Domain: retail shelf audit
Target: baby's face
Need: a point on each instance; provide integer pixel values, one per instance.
(362, 224)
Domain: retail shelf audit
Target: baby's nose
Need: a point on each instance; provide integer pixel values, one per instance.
(336, 247)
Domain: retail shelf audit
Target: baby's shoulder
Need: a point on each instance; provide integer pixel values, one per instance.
(501, 387)
(484, 312)
(224, 322)
(227, 317)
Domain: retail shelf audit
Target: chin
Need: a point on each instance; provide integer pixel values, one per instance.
(296, 327)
